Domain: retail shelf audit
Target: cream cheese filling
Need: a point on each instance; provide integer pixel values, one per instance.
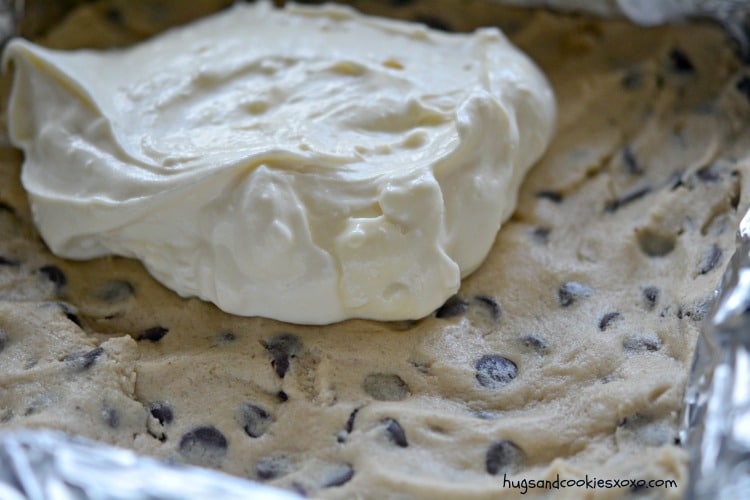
(308, 164)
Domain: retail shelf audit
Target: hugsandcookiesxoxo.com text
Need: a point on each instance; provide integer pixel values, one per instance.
(588, 483)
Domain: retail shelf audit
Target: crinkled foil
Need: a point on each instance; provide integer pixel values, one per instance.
(38, 465)
(717, 401)
(716, 431)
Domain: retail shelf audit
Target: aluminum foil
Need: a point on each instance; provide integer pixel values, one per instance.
(38, 465)
(717, 400)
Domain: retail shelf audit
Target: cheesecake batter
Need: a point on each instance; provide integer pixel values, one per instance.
(565, 353)
(246, 167)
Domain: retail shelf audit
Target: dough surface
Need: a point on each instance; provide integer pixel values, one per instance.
(566, 353)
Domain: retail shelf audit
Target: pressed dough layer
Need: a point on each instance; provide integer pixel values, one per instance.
(565, 353)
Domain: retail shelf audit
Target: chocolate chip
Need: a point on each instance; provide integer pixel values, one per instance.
(114, 291)
(734, 199)
(743, 87)
(454, 306)
(699, 311)
(226, 337)
(535, 342)
(282, 348)
(254, 419)
(272, 467)
(111, 417)
(297, 487)
(675, 180)
(503, 457)
(646, 342)
(651, 296)
(614, 205)
(395, 432)
(608, 318)
(540, 234)
(4, 207)
(572, 291)
(74, 318)
(337, 476)
(55, 275)
(655, 244)
(283, 396)
(680, 63)
(6, 261)
(553, 196)
(82, 361)
(707, 174)
(162, 412)
(484, 415)
(710, 260)
(632, 79)
(494, 371)
(154, 334)
(630, 161)
(70, 314)
(114, 16)
(433, 22)
(205, 444)
(4, 338)
(491, 305)
(350, 421)
(385, 387)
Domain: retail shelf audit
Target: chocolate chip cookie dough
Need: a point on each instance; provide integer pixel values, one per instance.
(565, 353)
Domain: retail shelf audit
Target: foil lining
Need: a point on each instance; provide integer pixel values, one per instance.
(38, 465)
(717, 400)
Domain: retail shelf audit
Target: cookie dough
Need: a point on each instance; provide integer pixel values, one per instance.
(565, 354)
